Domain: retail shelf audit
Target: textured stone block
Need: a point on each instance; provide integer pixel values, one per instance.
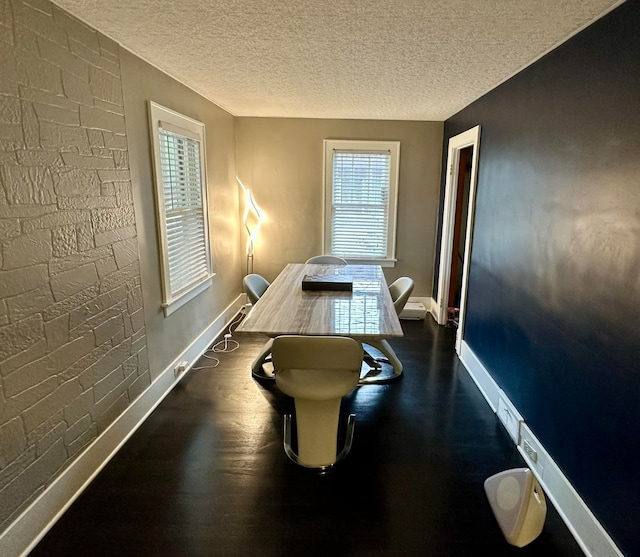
(9, 65)
(109, 46)
(112, 220)
(57, 115)
(16, 405)
(30, 127)
(106, 266)
(68, 283)
(19, 281)
(54, 136)
(143, 360)
(125, 252)
(50, 365)
(57, 332)
(26, 40)
(75, 260)
(77, 429)
(130, 366)
(76, 182)
(114, 175)
(139, 385)
(87, 202)
(68, 304)
(137, 319)
(112, 405)
(77, 445)
(38, 157)
(82, 367)
(39, 22)
(12, 470)
(100, 119)
(65, 60)
(77, 30)
(121, 159)
(110, 328)
(84, 236)
(9, 229)
(96, 138)
(124, 195)
(11, 137)
(93, 58)
(28, 304)
(32, 353)
(51, 404)
(114, 297)
(42, 5)
(54, 218)
(134, 299)
(4, 313)
(108, 384)
(79, 408)
(27, 185)
(121, 276)
(32, 480)
(105, 86)
(46, 97)
(27, 250)
(88, 162)
(12, 441)
(111, 360)
(38, 73)
(16, 337)
(65, 241)
(45, 436)
(77, 89)
(115, 141)
(10, 112)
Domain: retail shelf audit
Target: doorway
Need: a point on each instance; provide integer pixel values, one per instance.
(457, 228)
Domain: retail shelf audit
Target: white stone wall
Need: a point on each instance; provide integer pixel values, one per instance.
(73, 350)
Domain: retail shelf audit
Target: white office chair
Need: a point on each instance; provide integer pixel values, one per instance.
(317, 371)
(400, 291)
(327, 259)
(255, 286)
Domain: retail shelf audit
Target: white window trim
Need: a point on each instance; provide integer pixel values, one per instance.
(159, 116)
(393, 147)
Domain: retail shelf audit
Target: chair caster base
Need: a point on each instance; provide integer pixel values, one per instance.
(288, 449)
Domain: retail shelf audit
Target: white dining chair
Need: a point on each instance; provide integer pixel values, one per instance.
(400, 291)
(327, 260)
(255, 286)
(317, 371)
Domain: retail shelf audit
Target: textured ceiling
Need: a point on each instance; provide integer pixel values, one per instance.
(367, 59)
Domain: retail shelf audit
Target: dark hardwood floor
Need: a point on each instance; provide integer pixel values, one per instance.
(206, 474)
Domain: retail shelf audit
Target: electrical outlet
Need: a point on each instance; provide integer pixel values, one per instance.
(180, 368)
(530, 451)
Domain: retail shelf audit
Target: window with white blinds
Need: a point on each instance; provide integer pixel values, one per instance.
(361, 184)
(181, 206)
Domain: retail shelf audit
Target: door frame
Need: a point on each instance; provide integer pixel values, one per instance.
(469, 138)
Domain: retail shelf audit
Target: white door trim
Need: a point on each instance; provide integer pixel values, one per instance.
(470, 138)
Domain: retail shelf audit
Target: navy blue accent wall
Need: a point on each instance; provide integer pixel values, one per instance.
(553, 307)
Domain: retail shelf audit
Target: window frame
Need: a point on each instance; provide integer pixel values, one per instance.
(360, 146)
(161, 117)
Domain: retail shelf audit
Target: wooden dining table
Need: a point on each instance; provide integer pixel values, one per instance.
(365, 313)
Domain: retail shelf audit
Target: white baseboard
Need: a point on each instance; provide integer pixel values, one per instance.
(31, 526)
(588, 532)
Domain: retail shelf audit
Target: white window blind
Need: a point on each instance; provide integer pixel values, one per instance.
(181, 206)
(182, 184)
(360, 204)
